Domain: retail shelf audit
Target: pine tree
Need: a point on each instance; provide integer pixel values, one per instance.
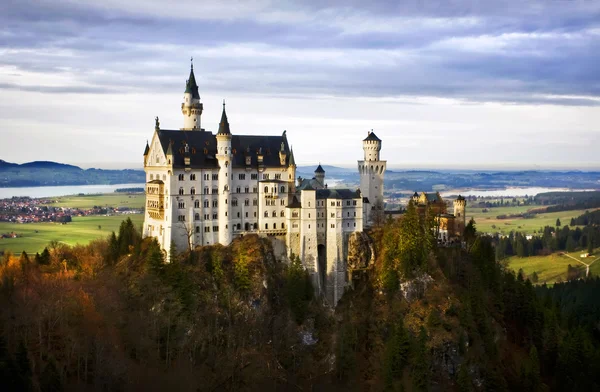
(421, 370)
(397, 350)
(557, 222)
(113, 249)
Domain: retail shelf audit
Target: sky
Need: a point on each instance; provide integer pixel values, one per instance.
(445, 84)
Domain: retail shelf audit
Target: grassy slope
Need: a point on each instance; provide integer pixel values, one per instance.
(110, 199)
(552, 267)
(485, 220)
(81, 231)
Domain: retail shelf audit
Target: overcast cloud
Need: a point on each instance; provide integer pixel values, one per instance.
(443, 83)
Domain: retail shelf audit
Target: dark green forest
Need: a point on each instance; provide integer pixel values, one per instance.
(113, 316)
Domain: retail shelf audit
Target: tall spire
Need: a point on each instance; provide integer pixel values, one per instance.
(191, 86)
(224, 124)
(292, 160)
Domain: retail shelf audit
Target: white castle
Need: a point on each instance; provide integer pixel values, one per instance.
(204, 189)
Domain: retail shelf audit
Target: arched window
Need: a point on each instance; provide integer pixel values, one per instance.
(181, 191)
(239, 226)
(274, 214)
(196, 216)
(206, 190)
(197, 229)
(197, 204)
(266, 214)
(266, 226)
(282, 190)
(255, 226)
(246, 202)
(193, 191)
(282, 214)
(234, 202)
(192, 177)
(151, 177)
(246, 226)
(206, 204)
(266, 189)
(181, 177)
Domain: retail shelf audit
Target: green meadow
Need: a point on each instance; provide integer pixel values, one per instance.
(552, 268)
(135, 200)
(33, 237)
(487, 222)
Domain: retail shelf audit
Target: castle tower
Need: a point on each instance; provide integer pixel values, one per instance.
(460, 218)
(320, 175)
(371, 171)
(191, 108)
(224, 157)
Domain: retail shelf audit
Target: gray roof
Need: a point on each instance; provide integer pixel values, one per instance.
(372, 136)
(191, 86)
(337, 193)
(319, 169)
(295, 203)
(203, 148)
(224, 124)
(308, 184)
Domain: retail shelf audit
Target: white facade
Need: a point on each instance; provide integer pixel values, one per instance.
(204, 188)
(371, 170)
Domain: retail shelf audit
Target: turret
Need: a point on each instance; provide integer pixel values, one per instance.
(371, 171)
(320, 175)
(191, 108)
(460, 218)
(371, 147)
(146, 151)
(224, 157)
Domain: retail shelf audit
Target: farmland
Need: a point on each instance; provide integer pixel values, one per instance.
(33, 237)
(487, 220)
(134, 201)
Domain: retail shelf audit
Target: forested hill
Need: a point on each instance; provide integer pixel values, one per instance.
(44, 173)
(113, 316)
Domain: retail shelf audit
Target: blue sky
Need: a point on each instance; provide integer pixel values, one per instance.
(478, 84)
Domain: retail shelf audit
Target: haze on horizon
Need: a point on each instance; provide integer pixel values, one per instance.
(473, 84)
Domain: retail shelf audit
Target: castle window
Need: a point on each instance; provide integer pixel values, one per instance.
(309, 214)
(337, 203)
(206, 203)
(192, 177)
(282, 202)
(254, 189)
(215, 191)
(246, 202)
(214, 215)
(242, 176)
(246, 189)
(225, 188)
(181, 191)
(197, 204)
(254, 176)
(234, 202)
(266, 226)
(181, 204)
(309, 226)
(181, 177)
(193, 191)
(239, 226)
(206, 177)
(348, 213)
(151, 177)
(238, 214)
(255, 226)
(246, 214)
(266, 189)
(282, 189)
(333, 225)
(215, 203)
(353, 202)
(265, 176)
(197, 229)
(238, 190)
(348, 202)
(278, 177)
(246, 226)
(206, 190)
(181, 218)
(207, 230)
(255, 202)
(215, 176)
(274, 214)
(196, 216)
(333, 203)
(354, 213)
(255, 214)
(354, 224)
(206, 216)
(266, 214)
(295, 214)
(215, 228)
(282, 214)
(333, 215)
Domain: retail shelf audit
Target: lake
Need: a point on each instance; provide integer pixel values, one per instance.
(53, 191)
(509, 192)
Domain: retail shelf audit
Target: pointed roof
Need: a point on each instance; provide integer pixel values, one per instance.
(372, 137)
(292, 160)
(224, 124)
(319, 169)
(147, 149)
(191, 86)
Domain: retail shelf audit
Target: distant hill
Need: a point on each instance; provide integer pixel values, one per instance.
(328, 169)
(47, 173)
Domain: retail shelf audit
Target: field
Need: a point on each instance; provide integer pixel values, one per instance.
(485, 220)
(553, 267)
(35, 236)
(135, 200)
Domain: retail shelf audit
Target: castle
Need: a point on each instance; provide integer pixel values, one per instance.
(448, 227)
(204, 189)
